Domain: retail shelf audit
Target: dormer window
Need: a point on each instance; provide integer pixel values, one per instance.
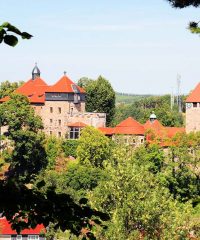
(74, 88)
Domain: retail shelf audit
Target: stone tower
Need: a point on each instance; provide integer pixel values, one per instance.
(193, 110)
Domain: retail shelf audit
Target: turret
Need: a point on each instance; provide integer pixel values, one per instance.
(35, 72)
(152, 117)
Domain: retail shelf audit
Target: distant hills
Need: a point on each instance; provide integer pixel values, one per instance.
(129, 98)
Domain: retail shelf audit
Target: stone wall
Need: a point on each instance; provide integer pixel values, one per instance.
(89, 118)
(193, 119)
(54, 114)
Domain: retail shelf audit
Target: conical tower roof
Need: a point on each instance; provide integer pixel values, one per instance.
(194, 96)
(65, 85)
(130, 126)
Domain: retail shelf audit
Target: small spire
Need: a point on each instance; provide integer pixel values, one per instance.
(152, 117)
(65, 73)
(35, 72)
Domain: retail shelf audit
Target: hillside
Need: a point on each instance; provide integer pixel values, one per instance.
(129, 98)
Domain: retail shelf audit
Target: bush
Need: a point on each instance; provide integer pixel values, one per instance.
(70, 147)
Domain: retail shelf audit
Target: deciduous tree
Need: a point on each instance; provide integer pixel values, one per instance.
(100, 96)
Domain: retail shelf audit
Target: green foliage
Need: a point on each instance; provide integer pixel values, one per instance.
(84, 81)
(182, 169)
(193, 26)
(184, 3)
(6, 88)
(138, 205)
(151, 156)
(128, 98)
(53, 150)
(81, 179)
(100, 96)
(141, 110)
(94, 148)
(17, 113)
(10, 39)
(70, 147)
(28, 156)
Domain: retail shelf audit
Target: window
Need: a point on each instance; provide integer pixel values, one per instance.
(50, 132)
(59, 134)
(55, 95)
(33, 237)
(59, 122)
(71, 111)
(19, 237)
(194, 104)
(74, 133)
(59, 110)
(51, 109)
(51, 121)
(142, 140)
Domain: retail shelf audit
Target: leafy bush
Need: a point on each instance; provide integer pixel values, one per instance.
(69, 147)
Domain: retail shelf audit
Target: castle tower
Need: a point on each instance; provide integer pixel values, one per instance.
(193, 111)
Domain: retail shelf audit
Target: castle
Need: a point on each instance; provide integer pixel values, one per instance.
(62, 109)
(61, 106)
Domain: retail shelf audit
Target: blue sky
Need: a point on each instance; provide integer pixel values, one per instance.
(138, 45)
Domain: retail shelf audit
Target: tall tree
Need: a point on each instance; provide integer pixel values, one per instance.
(100, 97)
(94, 148)
(6, 87)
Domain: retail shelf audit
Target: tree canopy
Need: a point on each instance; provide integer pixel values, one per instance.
(193, 26)
(100, 96)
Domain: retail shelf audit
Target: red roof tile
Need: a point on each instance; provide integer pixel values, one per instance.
(129, 127)
(65, 85)
(107, 131)
(194, 96)
(154, 125)
(160, 134)
(5, 228)
(77, 124)
(33, 89)
(172, 131)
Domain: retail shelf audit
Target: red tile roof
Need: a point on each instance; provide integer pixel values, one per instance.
(153, 125)
(130, 127)
(157, 132)
(77, 124)
(65, 85)
(194, 96)
(33, 89)
(107, 131)
(5, 228)
(172, 131)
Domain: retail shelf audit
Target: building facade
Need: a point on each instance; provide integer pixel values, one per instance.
(133, 133)
(193, 110)
(61, 106)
